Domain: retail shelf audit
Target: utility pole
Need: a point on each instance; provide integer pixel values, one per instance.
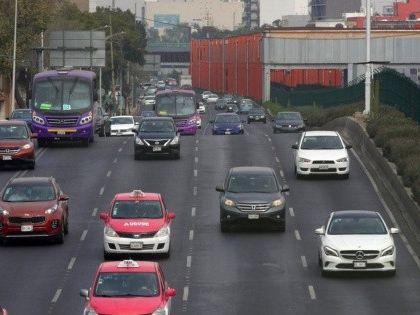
(14, 61)
(368, 73)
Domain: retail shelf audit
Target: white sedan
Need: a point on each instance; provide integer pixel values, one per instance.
(122, 125)
(201, 108)
(212, 98)
(149, 100)
(321, 152)
(205, 94)
(356, 240)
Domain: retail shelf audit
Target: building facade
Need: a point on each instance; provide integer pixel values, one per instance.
(251, 16)
(332, 9)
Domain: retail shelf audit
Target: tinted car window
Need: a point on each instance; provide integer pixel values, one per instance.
(137, 210)
(246, 183)
(157, 126)
(111, 284)
(321, 143)
(21, 114)
(13, 132)
(27, 193)
(289, 116)
(227, 119)
(356, 225)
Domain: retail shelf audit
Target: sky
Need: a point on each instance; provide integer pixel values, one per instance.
(271, 10)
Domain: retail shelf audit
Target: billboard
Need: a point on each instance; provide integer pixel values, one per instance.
(165, 20)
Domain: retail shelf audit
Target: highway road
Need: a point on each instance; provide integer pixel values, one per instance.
(243, 272)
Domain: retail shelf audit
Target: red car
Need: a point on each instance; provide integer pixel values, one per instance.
(16, 146)
(137, 222)
(128, 287)
(33, 207)
(3, 311)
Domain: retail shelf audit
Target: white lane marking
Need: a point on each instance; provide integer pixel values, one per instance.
(277, 160)
(189, 261)
(205, 128)
(115, 160)
(266, 135)
(195, 190)
(196, 159)
(388, 211)
(185, 294)
(312, 292)
(191, 235)
(281, 173)
(297, 235)
(56, 296)
(108, 174)
(246, 132)
(71, 263)
(196, 148)
(125, 142)
(269, 139)
(94, 212)
(120, 149)
(24, 173)
(193, 211)
(38, 156)
(197, 141)
(195, 173)
(304, 262)
(101, 192)
(82, 238)
(292, 212)
(273, 148)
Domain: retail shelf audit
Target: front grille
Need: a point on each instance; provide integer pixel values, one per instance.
(161, 142)
(367, 254)
(289, 126)
(368, 266)
(22, 220)
(11, 151)
(62, 122)
(323, 162)
(136, 235)
(260, 207)
(327, 170)
(145, 247)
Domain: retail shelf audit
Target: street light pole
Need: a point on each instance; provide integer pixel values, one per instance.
(14, 61)
(368, 65)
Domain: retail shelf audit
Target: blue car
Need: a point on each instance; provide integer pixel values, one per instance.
(22, 114)
(227, 124)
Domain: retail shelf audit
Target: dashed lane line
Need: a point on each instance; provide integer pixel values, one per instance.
(71, 263)
(312, 292)
(195, 173)
(304, 262)
(83, 236)
(297, 235)
(109, 174)
(125, 142)
(196, 159)
(101, 192)
(197, 141)
(120, 149)
(56, 296)
(189, 258)
(193, 210)
(195, 191)
(292, 212)
(273, 148)
(191, 237)
(196, 148)
(94, 212)
(277, 160)
(185, 294)
(281, 173)
(115, 160)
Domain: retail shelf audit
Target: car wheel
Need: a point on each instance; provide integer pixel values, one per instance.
(137, 156)
(108, 134)
(346, 176)
(265, 121)
(274, 130)
(176, 156)
(85, 142)
(59, 239)
(66, 227)
(3, 241)
(224, 227)
(248, 122)
(319, 260)
(324, 273)
(281, 227)
(391, 273)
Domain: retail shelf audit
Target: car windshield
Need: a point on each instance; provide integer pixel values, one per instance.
(114, 284)
(28, 193)
(289, 116)
(257, 112)
(122, 120)
(157, 126)
(22, 114)
(175, 105)
(137, 210)
(356, 225)
(227, 119)
(213, 96)
(321, 143)
(246, 183)
(13, 132)
(148, 114)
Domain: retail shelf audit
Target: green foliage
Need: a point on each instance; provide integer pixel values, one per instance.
(386, 117)
(386, 133)
(411, 170)
(399, 148)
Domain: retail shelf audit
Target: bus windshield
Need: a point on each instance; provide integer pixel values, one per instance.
(57, 94)
(175, 105)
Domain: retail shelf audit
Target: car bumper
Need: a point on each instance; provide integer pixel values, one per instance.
(79, 132)
(14, 231)
(337, 264)
(120, 245)
(254, 119)
(227, 132)
(288, 128)
(233, 215)
(314, 169)
(27, 156)
(150, 150)
(122, 133)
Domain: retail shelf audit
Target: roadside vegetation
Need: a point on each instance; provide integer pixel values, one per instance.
(397, 135)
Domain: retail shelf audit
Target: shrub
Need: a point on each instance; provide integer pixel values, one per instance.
(398, 148)
(411, 169)
(385, 133)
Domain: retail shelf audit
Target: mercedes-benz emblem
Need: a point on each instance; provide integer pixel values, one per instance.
(253, 207)
(62, 121)
(360, 255)
(7, 150)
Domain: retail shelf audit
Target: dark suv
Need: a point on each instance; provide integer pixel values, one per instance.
(252, 194)
(157, 136)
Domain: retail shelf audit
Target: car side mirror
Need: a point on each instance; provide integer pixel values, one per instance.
(285, 188)
(348, 146)
(394, 231)
(320, 231)
(170, 292)
(295, 146)
(34, 135)
(171, 215)
(84, 293)
(220, 188)
(104, 216)
(64, 197)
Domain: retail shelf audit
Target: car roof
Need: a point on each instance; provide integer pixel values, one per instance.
(355, 213)
(137, 195)
(138, 266)
(251, 170)
(321, 133)
(157, 118)
(122, 116)
(288, 113)
(13, 122)
(31, 180)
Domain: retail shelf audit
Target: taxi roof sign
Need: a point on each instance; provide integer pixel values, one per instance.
(137, 192)
(128, 263)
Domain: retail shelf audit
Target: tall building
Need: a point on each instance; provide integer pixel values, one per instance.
(251, 16)
(332, 9)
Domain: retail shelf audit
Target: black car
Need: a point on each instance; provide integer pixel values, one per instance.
(157, 136)
(252, 194)
(24, 114)
(232, 108)
(288, 122)
(257, 114)
(102, 122)
(220, 104)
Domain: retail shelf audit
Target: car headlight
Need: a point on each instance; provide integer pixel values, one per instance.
(229, 203)
(278, 202)
(175, 140)
(330, 252)
(51, 210)
(89, 311)
(303, 160)
(344, 159)
(388, 251)
(38, 120)
(139, 141)
(86, 119)
(192, 121)
(26, 146)
(4, 212)
(160, 311)
(110, 232)
(163, 232)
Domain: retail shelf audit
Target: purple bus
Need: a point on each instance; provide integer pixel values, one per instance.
(63, 105)
(181, 106)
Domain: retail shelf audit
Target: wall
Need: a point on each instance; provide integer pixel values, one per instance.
(302, 77)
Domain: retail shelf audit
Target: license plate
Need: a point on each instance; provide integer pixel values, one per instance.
(7, 157)
(136, 245)
(227, 132)
(157, 149)
(257, 118)
(323, 167)
(26, 228)
(359, 264)
(253, 216)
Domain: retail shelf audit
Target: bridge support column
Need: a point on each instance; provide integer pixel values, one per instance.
(266, 83)
(351, 72)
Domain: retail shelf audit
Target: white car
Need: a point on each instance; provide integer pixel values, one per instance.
(205, 94)
(201, 108)
(198, 121)
(356, 240)
(149, 100)
(122, 125)
(212, 98)
(321, 152)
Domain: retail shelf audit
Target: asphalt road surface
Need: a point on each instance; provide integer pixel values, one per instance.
(248, 271)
